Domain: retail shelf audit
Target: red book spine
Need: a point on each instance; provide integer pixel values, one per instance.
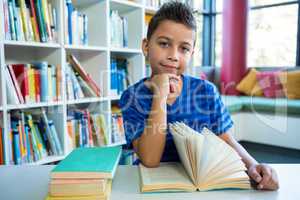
(85, 76)
(21, 73)
(1, 148)
(89, 128)
(16, 84)
(37, 81)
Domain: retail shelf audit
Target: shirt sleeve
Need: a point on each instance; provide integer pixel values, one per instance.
(133, 120)
(220, 118)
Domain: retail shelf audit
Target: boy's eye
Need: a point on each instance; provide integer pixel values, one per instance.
(164, 44)
(185, 49)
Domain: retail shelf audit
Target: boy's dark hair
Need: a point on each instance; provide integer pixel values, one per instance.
(174, 11)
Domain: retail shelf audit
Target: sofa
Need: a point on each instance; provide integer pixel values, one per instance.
(261, 120)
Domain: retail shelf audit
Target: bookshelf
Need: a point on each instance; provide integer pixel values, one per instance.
(95, 57)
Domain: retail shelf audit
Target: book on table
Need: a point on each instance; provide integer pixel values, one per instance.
(207, 163)
(96, 162)
(86, 173)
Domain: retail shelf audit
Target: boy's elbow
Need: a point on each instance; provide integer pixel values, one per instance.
(150, 163)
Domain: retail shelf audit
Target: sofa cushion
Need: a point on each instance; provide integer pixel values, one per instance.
(270, 84)
(249, 84)
(291, 84)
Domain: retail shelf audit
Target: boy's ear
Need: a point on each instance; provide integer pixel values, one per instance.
(145, 47)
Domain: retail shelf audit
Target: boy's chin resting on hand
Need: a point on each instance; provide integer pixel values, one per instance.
(264, 176)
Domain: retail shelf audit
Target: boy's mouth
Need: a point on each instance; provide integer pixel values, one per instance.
(169, 66)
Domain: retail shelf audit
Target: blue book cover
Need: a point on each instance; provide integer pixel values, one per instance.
(40, 21)
(16, 145)
(85, 29)
(48, 132)
(55, 136)
(42, 68)
(114, 79)
(70, 9)
(12, 21)
(53, 77)
(125, 31)
(29, 157)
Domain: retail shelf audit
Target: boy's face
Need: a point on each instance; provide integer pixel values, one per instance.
(170, 48)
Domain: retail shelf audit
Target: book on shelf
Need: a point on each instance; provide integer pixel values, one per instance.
(76, 23)
(207, 163)
(29, 138)
(117, 132)
(89, 163)
(80, 72)
(33, 83)
(119, 75)
(86, 129)
(30, 20)
(1, 146)
(119, 29)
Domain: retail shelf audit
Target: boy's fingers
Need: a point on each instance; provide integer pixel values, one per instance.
(267, 175)
(254, 174)
(174, 77)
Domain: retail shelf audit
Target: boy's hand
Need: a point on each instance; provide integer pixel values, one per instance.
(163, 84)
(265, 176)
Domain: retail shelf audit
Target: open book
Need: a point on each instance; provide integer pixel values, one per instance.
(207, 163)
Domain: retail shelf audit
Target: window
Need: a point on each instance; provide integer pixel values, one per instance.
(197, 58)
(272, 39)
(272, 33)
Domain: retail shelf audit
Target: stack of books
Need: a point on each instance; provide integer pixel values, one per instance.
(86, 173)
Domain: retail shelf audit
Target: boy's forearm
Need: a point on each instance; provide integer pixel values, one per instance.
(246, 157)
(152, 142)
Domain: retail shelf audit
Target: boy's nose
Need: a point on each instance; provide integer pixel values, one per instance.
(173, 54)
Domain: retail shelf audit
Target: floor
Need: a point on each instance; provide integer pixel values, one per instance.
(271, 154)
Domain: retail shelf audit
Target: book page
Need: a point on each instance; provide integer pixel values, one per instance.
(169, 175)
(232, 168)
(182, 149)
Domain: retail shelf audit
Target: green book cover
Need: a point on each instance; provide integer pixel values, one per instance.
(95, 162)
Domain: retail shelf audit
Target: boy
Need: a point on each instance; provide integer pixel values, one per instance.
(169, 96)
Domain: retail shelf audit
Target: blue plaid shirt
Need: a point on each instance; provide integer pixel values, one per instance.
(199, 105)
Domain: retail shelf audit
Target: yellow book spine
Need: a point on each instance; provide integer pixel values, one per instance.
(22, 145)
(47, 18)
(35, 30)
(31, 84)
(24, 18)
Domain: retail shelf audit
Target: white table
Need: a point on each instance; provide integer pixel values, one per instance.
(31, 183)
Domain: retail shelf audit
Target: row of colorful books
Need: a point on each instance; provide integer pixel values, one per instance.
(76, 31)
(30, 20)
(32, 137)
(33, 82)
(119, 75)
(118, 29)
(86, 129)
(42, 82)
(81, 176)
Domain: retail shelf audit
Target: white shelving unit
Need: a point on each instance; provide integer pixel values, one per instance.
(94, 57)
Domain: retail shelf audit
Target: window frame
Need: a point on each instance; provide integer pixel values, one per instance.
(209, 30)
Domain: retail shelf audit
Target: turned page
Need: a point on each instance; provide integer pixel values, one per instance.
(170, 175)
